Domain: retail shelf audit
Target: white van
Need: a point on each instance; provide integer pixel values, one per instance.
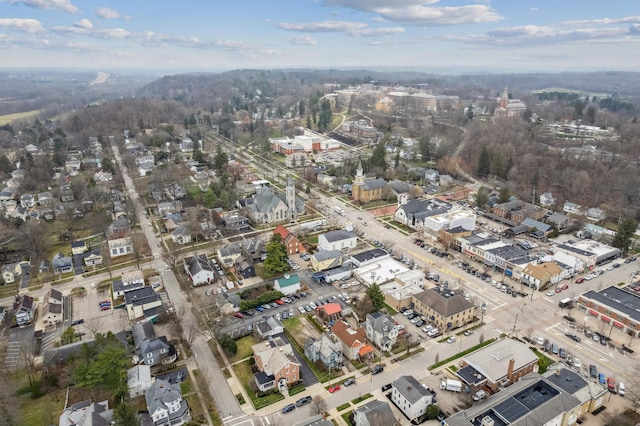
(620, 388)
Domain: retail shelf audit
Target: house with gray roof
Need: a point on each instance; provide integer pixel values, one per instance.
(228, 254)
(139, 380)
(374, 413)
(381, 330)
(254, 249)
(324, 349)
(24, 310)
(559, 220)
(410, 397)
(61, 264)
(337, 240)
(149, 349)
(87, 413)
(413, 213)
(166, 405)
(52, 307)
(446, 309)
(143, 303)
(267, 207)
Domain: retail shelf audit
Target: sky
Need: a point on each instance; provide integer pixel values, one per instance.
(445, 36)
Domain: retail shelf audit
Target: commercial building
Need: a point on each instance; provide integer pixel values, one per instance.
(613, 305)
(445, 309)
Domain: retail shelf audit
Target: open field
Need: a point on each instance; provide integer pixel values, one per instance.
(8, 118)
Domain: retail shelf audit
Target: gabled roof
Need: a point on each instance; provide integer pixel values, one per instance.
(282, 231)
(199, 263)
(378, 413)
(55, 294)
(330, 308)
(348, 335)
(371, 184)
(323, 255)
(410, 388)
(339, 235)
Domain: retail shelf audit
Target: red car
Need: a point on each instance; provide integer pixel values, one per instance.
(279, 302)
(611, 384)
(565, 287)
(238, 315)
(335, 388)
(580, 280)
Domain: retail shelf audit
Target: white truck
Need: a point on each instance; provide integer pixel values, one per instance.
(339, 210)
(451, 385)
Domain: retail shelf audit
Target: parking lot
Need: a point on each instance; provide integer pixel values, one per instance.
(87, 308)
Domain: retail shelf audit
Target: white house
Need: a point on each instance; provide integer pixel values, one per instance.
(288, 284)
(120, 247)
(165, 404)
(181, 235)
(547, 200)
(200, 269)
(410, 396)
(381, 330)
(337, 240)
(52, 307)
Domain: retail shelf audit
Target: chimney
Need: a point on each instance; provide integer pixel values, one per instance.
(512, 363)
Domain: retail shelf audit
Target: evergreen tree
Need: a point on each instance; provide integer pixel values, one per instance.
(425, 148)
(626, 229)
(220, 160)
(276, 260)
(378, 158)
(397, 160)
(308, 121)
(484, 162)
(125, 415)
(505, 195)
(375, 295)
(482, 197)
(301, 108)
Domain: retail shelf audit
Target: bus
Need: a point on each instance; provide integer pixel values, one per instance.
(567, 302)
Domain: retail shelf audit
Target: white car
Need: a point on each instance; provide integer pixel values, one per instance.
(301, 310)
(407, 312)
(551, 293)
(93, 285)
(345, 285)
(576, 363)
(451, 339)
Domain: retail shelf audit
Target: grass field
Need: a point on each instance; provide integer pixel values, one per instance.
(8, 118)
(244, 349)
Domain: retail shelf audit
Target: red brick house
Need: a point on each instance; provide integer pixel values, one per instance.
(291, 242)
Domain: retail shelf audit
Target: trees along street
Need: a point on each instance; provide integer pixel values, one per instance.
(218, 387)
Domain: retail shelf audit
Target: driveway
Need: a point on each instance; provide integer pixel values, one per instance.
(307, 375)
(26, 276)
(77, 264)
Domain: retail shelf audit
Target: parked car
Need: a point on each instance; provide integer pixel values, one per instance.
(593, 371)
(554, 349)
(580, 280)
(377, 369)
(479, 395)
(288, 408)
(562, 353)
(335, 388)
(611, 384)
(303, 401)
(451, 339)
(350, 381)
(601, 378)
(551, 293)
(386, 387)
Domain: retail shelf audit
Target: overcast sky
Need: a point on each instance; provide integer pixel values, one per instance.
(427, 35)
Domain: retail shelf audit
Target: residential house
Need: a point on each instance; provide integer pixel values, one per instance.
(329, 312)
(366, 190)
(254, 249)
(276, 363)
(165, 404)
(61, 264)
(24, 310)
(381, 330)
(326, 259)
(414, 212)
(324, 350)
(169, 207)
(143, 302)
(291, 242)
(93, 259)
(149, 349)
(432, 175)
(541, 276)
(547, 200)
(245, 268)
(504, 209)
(410, 397)
(52, 307)
(87, 413)
(200, 269)
(139, 380)
(596, 215)
(78, 247)
(337, 240)
(572, 208)
(497, 365)
(181, 235)
(297, 160)
(236, 223)
(45, 199)
(326, 180)
(27, 201)
(227, 255)
(559, 220)
(288, 284)
(445, 309)
(120, 247)
(130, 281)
(374, 413)
(11, 272)
(354, 342)
(66, 195)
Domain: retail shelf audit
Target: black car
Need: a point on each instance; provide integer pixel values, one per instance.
(377, 369)
(386, 387)
(288, 408)
(593, 371)
(303, 401)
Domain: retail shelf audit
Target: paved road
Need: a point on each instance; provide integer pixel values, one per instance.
(223, 396)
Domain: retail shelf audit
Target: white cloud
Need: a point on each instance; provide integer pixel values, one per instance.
(301, 40)
(374, 5)
(46, 4)
(30, 26)
(323, 27)
(605, 21)
(438, 16)
(83, 23)
(107, 13)
(378, 32)
(107, 33)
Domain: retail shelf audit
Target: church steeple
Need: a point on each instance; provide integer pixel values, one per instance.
(359, 174)
(291, 198)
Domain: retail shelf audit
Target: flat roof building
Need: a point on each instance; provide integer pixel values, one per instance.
(614, 305)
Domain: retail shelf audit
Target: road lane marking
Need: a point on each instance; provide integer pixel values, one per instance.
(499, 306)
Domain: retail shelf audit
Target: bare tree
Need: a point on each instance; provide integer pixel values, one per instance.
(93, 325)
(318, 405)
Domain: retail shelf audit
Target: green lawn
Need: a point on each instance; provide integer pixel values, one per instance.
(543, 361)
(244, 349)
(461, 354)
